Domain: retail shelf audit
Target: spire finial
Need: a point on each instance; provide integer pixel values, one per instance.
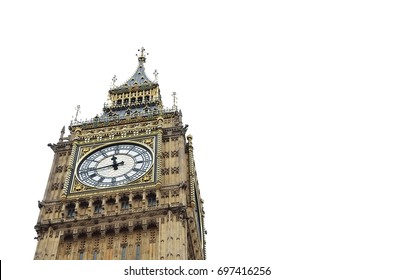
(62, 134)
(114, 79)
(61, 139)
(78, 110)
(174, 101)
(142, 56)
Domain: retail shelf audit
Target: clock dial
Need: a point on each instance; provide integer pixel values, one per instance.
(115, 165)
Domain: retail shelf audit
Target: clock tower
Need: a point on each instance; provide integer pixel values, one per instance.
(123, 185)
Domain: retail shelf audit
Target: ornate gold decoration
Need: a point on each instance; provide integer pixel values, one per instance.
(146, 178)
(78, 187)
(85, 150)
(148, 141)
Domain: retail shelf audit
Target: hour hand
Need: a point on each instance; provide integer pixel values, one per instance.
(115, 165)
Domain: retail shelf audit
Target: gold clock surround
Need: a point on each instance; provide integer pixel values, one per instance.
(83, 150)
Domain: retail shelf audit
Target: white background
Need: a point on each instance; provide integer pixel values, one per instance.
(289, 103)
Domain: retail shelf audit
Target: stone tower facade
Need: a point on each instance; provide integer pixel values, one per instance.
(123, 185)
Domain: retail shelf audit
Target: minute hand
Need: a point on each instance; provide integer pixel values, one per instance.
(111, 165)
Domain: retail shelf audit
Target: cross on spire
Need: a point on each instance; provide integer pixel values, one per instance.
(141, 50)
(142, 56)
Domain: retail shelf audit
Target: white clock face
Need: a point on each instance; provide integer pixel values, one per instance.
(115, 165)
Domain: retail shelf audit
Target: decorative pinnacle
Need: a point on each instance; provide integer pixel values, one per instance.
(114, 79)
(155, 75)
(78, 110)
(62, 134)
(142, 56)
(174, 101)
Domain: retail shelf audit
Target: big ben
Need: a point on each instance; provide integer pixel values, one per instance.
(123, 185)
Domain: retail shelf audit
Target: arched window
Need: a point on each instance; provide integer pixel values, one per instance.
(70, 210)
(138, 252)
(123, 252)
(136, 201)
(83, 204)
(111, 201)
(96, 236)
(110, 233)
(68, 237)
(97, 207)
(151, 200)
(125, 202)
(152, 231)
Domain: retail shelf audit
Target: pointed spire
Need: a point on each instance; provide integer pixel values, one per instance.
(62, 134)
(140, 78)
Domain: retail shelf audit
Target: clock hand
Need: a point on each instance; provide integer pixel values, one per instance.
(102, 167)
(115, 165)
(113, 158)
(111, 165)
